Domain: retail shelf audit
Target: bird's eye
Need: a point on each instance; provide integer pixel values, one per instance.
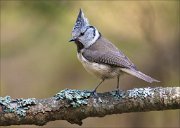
(81, 34)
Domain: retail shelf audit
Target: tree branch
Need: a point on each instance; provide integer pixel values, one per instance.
(76, 105)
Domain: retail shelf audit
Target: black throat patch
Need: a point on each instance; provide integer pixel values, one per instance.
(79, 45)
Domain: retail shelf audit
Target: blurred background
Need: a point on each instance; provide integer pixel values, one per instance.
(38, 61)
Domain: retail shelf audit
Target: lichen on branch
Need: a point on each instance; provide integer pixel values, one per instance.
(76, 105)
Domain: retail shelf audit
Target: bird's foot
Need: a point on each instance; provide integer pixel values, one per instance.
(95, 96)
(118, 92)
(93, 93)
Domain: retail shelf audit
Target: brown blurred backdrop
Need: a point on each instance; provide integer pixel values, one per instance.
(38, 61)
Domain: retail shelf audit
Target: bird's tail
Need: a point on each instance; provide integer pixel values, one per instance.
(140, 75)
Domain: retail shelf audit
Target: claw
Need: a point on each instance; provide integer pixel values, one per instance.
(119, 92)
(95, 96)
(93, 93)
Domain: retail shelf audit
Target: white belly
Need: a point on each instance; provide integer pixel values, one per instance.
(99, 70)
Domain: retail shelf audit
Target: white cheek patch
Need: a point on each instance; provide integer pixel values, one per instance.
(89, 43)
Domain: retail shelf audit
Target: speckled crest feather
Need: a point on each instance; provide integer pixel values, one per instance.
(81, 23)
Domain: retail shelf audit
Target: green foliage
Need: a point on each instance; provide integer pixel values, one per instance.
(46, 9)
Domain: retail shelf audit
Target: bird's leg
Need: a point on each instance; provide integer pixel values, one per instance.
(98, 85)
(117, 89)
(117, 82)
(94, 90)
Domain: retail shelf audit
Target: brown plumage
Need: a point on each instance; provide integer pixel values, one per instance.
(99, 56)
(104, 52)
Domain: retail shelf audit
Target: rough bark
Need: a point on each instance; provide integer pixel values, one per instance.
(76, 105)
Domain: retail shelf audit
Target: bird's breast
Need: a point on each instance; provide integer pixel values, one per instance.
(102, 71)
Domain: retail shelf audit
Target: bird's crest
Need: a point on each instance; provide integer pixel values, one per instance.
(81, 23)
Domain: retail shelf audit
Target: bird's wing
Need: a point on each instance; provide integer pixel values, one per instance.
(116, 59)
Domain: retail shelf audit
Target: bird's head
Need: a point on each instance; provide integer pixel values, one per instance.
(83, 32)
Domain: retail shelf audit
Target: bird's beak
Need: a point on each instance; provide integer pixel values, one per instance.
(71, 40)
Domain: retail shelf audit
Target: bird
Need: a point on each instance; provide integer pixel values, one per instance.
(99, 56)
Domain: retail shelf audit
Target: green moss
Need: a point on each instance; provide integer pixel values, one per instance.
(18, 106)
(76, 98)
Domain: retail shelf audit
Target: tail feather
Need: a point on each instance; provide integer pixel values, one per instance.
(140, 75)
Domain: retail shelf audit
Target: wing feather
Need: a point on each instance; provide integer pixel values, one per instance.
(116, 59)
